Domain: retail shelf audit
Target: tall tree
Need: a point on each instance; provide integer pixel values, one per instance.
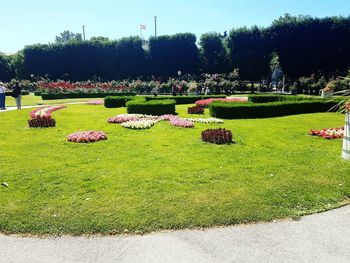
(214, 53)
(67, 36)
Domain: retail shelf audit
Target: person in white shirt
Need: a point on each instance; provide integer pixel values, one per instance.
(2, 96)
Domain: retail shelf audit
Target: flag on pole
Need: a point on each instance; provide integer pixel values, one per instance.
(143, 27)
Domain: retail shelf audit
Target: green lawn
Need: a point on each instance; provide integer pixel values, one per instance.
(36, 100)
(164, 177)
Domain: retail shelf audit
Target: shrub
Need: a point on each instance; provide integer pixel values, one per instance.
(23, 93)
(116, 101)
(153, 107)
(56, 96)
(217, 136)
(37, 93)
(274, 98)
(42, 122)
(195, 110)
(266, 110)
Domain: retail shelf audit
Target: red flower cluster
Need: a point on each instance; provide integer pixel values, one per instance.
(87, 136)
(329, 133)
(217, 136)
(206, 102)
(66, 86)
(42, 122)
(195, 110)
(44, 111)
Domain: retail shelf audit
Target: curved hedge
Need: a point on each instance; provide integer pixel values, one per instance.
(152, 107)
(274, 98)
(266, 110)
(185, 99)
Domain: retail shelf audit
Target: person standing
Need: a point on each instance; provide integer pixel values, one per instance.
(16, 93)
(2, 96)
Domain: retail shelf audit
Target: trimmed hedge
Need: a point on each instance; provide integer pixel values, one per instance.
(152, 107)
(57, 96)
(37, 93)
(274, 98)
(267, 110)
(117, 101)
(9, 93)
(184, 99)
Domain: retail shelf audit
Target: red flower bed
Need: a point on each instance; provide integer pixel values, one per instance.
(44, 111)
(69, 87)
(195, 110)
(329, 133)
(206, 102)
(217, 136)
(87, 136)
(42, 122)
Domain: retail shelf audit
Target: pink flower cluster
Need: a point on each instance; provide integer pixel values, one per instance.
(95, 102)
(44, 111)
(123, 118)
(329, 133)
(87, 136)
(181, 123)
(206, 102)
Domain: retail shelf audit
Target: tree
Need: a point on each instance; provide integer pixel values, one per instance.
(250, 52)
(6, 72)
(67, 36)
(214, 53)
(99, 39)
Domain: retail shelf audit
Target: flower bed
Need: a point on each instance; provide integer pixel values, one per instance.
(41, 117)
(87, 136)
(139, 124)
(195, 110)
(206, 102)
(217, 136)
(181, 123)
(329, 133)
(204, 120)
(95, 102)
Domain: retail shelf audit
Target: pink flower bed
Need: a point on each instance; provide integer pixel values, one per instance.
(121, 119)
(329, 133)
(44, 111)
(87, 136)
(206, 102)
(181, 123)
(95, 102)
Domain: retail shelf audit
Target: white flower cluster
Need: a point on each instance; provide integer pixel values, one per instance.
(203, 120)
(139, 124)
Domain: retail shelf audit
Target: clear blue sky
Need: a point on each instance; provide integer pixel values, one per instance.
(39, 21)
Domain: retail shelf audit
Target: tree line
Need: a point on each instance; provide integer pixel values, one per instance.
(301, 45)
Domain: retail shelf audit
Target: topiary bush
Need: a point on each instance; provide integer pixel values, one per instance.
(116, 101)
(267, 110)
(217, 136)
(153, 107)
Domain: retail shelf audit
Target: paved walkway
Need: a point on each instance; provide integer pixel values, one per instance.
(317, 238)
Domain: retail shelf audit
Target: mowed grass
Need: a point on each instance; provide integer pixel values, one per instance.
(164, 177)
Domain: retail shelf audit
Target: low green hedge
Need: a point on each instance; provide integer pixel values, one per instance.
(184, 99)
(269, 109)
(37, 93)
(152, 107)
(57, 96)
(117, 101)
(274, 98)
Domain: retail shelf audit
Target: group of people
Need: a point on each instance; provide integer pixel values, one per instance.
(16, 93)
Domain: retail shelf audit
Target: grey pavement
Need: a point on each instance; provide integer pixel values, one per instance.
(323, 237)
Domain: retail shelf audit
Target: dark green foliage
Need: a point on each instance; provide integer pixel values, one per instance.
(274, 98)
(169, 54)
(23, 93)
(116, 101)
(37, 93)
(56, 96)
(250, 52)
(184, 99)
(85, 60)
(267, 110)
(214, 53)
(152, 107)
(6, 71)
